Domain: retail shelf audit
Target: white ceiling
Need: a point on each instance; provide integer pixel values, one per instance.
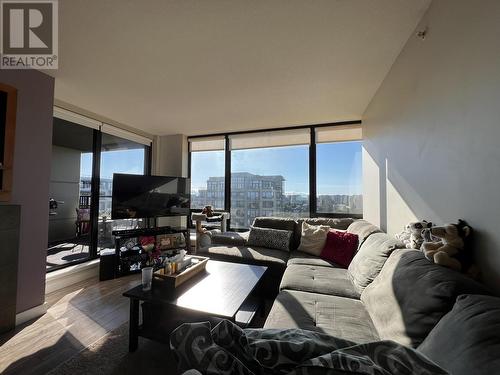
(204, 66)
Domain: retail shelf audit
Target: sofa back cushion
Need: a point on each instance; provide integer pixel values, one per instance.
(370, 258)
(467, 339)
(363, 229)
(313, 238)
(334, 223)
(271, 238)
(411, 294)
(281, 223)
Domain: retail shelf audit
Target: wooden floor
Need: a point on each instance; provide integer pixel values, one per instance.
(77, 317)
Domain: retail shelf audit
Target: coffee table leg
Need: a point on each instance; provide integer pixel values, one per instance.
(134, 325)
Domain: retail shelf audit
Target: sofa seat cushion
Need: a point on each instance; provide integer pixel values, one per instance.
(247, 254)
(467, 339)
(363, 229)
(230, 238)
(370, 259)
(317, 279)
(411, 294)
(299, 257)
(345, 318)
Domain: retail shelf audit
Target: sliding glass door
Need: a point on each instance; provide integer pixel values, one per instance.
(69, 238)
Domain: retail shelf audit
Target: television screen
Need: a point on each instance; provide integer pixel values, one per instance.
(137, 196)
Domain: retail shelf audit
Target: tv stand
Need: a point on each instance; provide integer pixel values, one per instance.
(121, 260)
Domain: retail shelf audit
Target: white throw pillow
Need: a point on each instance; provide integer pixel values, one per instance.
(313, 238)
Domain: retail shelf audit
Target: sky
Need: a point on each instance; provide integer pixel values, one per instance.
(338, 166)
(121, 161)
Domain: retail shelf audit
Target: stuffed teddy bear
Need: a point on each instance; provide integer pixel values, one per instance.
(416, 239)
(207, 210)
(411, 236)
(451, 248)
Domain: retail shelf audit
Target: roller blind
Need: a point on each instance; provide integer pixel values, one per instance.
(339, 133)
(125, 134)
(207, 144)
(270, 139)
(76, 118)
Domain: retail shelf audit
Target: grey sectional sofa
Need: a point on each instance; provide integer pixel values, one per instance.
(387, 293)
(233, 247)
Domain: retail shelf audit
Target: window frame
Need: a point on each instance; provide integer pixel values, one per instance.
(312, 166)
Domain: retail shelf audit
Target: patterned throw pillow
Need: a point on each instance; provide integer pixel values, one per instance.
(272, 238)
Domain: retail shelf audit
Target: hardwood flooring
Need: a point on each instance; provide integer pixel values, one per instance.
(77, 316)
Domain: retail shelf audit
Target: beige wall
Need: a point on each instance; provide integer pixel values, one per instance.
(433, 129)
(31, 174)
(170, 155)
(170, 158)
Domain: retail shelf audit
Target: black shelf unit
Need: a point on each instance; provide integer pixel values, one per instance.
(120, 235)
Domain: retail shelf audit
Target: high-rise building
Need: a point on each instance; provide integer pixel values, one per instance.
(255, 195)
(251, 196)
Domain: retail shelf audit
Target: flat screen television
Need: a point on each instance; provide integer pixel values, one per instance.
(136, 196)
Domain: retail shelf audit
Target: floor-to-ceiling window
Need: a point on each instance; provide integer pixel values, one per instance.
(338, 172)
(269, 176)
(207, 172)
(299, 172)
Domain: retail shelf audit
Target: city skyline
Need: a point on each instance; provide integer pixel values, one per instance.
(255, 195)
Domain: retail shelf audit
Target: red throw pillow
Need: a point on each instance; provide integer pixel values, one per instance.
(340, 247)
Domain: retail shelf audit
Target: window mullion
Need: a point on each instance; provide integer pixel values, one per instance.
(312, 174)
(227, 177)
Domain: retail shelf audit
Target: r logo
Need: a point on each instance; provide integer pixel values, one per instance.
(27, 28)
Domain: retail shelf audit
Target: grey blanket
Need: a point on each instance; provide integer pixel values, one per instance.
(228, 349)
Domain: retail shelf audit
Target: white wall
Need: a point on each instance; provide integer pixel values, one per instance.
(433, 129)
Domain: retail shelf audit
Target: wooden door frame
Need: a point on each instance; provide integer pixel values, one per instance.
(9, 141)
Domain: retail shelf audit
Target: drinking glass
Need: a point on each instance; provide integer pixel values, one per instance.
(147, 278)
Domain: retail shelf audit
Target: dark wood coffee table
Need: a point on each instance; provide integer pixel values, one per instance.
(223, 291)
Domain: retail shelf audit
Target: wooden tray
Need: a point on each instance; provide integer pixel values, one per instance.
(173, 281)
